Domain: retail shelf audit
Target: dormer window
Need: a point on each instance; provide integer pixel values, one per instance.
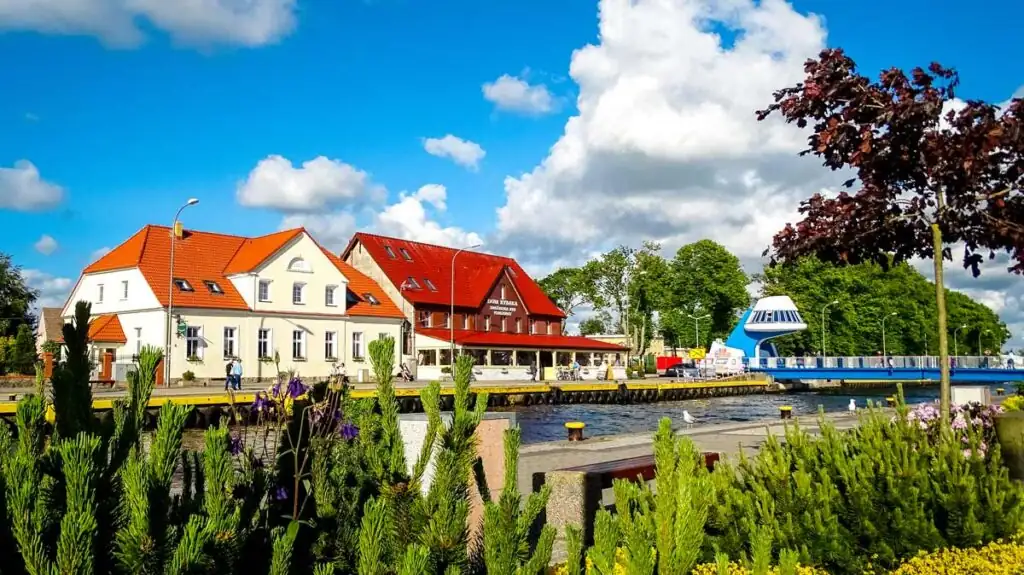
(413, 283)
(430, 284)
(503, 292)
(391, 252)
(183, 285)
(214, 287)
(405, 254)
(371, 298)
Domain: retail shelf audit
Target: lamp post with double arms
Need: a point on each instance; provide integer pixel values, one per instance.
(831, 303)
(885, 354)
(451, 314)
(170, 292)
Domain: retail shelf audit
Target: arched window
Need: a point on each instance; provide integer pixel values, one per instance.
(299, 265)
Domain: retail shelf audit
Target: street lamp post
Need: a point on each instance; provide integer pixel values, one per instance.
(451, 315)
(696, 327)
(885, 354)
(833, 302)
(956, 346)
(170, 293)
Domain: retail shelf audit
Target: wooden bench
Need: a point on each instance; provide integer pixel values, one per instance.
(577, 493)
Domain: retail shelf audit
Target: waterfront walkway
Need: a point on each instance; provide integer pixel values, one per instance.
(728, 439)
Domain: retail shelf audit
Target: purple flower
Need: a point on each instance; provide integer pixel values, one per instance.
(296, 388)
(349, 431)
(275, 390)
(261, 402)
(235, 445)
(281, 494)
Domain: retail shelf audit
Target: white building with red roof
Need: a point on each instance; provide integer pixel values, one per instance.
(255, 299)
(494, 311)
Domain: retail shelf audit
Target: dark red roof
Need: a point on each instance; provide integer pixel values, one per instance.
(475, 273)
(504, 339)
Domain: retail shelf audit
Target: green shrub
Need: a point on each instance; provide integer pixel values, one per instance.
(885, 491)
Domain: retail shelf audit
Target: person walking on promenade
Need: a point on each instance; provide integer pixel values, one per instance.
(236, 374)
(228, 373)
(533, 370)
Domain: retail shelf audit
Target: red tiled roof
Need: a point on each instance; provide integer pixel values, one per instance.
(475, 273)
(360, 284)
(106, 329)
(525, 340)
(206, 256)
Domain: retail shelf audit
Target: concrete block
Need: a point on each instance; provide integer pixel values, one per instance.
(962, 394)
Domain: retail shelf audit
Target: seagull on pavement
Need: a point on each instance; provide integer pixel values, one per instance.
(688, 418)
(853, 404)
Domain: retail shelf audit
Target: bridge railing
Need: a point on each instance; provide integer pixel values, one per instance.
(871, 361)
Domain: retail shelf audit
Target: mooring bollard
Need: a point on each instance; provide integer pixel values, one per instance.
(786, 412)
(1000, 391)
(575, 430)
(891, 401)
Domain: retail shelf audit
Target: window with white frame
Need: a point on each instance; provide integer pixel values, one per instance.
(357, 345)
(138, 340)
(194, 342)
(465, 321)
(264, 343)
(533, 326)
(230, 342)
(299, 265)
(331, 345)
(519, 325)
(298, 293)
(298, 344)
(99, 293)
(329, 295)
(447, 319)
(264, 293)
(487, 323)
(124, 289)
(503, 294)
(504, 324)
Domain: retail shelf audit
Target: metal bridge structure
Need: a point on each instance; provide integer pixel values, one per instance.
(963, 369)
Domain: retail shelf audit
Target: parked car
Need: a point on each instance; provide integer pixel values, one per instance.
(685, 370)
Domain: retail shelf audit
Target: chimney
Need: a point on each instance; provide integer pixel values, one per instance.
(178, 230)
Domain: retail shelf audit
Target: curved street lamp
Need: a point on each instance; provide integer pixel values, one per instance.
(884, 353)
(956, 346)
(831, 303)
(696, 327)
(451, 315)
(170, 293)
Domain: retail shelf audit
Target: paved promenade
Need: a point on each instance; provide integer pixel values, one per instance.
(727, 439)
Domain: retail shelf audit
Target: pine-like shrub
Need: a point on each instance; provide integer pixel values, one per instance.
(876, 494)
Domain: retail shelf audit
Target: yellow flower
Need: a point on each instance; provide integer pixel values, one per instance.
(996, 558)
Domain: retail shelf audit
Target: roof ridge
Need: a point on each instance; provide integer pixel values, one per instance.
(372, 235)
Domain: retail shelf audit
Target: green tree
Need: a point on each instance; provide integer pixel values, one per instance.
(705, 279)
(16, 297)
(24, 352)
(592, 326)
(570, 288)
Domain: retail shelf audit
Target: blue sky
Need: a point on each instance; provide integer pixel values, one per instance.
(129, 130)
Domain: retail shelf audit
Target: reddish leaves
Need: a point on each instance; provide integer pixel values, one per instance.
(905, 152)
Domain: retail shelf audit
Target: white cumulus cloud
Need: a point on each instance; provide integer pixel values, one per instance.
(409, 219)
(463, 152)
(333, 230)
(317, 184)
(46, 245)
(121, 22)
(665, 145)
(53, 290)
(23, 189)
(517, 95)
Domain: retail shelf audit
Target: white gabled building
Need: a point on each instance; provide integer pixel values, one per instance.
(234, 297)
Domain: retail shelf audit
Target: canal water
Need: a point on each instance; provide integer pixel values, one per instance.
(546, 422)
